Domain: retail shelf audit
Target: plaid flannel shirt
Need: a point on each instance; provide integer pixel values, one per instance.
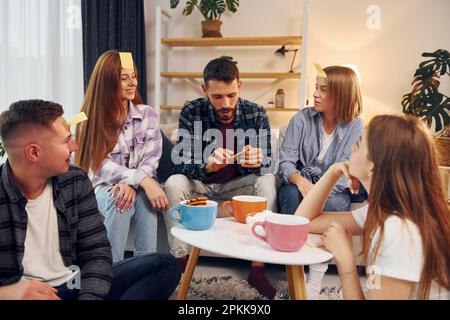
(82, 236)
(137, 152)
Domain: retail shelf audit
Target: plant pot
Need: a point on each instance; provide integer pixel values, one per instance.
(442, 145)
(211, 29)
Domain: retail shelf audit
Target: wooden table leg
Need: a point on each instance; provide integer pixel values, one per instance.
(188, 272)
(296, 282)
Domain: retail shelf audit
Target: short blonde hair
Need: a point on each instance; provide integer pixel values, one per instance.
(343, 85)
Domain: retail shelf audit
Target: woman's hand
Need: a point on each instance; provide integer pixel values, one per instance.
(125, 197)
(341, 169)
(155, 194)
(339, 242)
(304, 186)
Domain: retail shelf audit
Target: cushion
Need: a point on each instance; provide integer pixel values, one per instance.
(166, 167)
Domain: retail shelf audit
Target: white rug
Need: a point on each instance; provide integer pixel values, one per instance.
(228, 287)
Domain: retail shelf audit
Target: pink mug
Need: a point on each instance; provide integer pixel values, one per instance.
(284, 232)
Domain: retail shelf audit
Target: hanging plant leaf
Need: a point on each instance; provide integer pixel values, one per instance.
(174, 3)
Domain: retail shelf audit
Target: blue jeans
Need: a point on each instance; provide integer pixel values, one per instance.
(289, 198)
(142, 217)
(151, 277)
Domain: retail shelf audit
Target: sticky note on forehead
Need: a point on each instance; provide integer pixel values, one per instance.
(126, 59)
(320, 72)
(81, 117)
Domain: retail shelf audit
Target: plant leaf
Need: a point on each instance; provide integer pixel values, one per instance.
(174, 3)
(232, 5)
(190, 6)
(212, 9)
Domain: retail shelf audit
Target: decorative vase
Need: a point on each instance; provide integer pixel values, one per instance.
(442, 145)
(211, 29)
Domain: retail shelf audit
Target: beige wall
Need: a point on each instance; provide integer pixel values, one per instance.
(387, 58)
(338, 34)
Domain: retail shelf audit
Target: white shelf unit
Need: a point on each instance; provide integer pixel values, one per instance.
(298, 41)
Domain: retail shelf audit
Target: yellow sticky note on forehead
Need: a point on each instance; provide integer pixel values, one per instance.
(81, 117)
(320, 72)
(126, 59)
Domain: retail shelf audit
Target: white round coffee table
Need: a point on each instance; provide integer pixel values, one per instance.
(233, 239)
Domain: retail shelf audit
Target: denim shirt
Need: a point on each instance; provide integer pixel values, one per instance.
(302, 145)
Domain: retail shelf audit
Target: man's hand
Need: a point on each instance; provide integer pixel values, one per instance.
(304, 186)
(28, 290)
(251, 158)
(125, 197)
(219, 159)
(155, 194)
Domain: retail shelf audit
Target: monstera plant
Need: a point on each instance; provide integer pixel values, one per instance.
(211, 11)
(426, 102)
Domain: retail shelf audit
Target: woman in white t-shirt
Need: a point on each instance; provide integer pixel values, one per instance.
(406, 225)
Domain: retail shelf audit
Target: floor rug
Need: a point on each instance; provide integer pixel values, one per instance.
(228, 287)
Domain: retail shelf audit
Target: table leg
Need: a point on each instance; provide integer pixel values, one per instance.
(188, 272)
(296, 282)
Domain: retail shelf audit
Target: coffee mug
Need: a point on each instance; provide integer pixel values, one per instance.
(284, 232)
(195, 217)
(245, 205)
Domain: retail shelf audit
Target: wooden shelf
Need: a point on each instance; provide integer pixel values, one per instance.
(267, 109)
(241, 41)
(243, 75)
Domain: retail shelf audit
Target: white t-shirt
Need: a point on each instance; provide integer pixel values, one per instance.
(42, 259)
(400, 255)
(327, 139)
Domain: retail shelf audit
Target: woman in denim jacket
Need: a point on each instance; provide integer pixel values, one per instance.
(320, 136)
(317, 138)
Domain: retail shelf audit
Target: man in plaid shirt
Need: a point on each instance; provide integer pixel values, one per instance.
(212, 131)
(53, 244)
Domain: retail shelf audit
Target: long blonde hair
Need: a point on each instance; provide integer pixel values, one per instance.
(343, 85)
(406, 183)
(98, 136)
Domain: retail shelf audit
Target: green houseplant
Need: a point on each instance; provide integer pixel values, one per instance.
(426, 102)
(211, 11)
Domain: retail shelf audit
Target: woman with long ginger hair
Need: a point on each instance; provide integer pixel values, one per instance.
(406, 224)
(120, 147)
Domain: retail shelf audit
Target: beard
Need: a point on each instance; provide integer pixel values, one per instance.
(225, 113)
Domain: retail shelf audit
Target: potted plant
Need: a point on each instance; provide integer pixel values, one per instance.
(426, 102)
(211, 10)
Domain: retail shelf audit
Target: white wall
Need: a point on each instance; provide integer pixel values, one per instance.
(338, 34)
